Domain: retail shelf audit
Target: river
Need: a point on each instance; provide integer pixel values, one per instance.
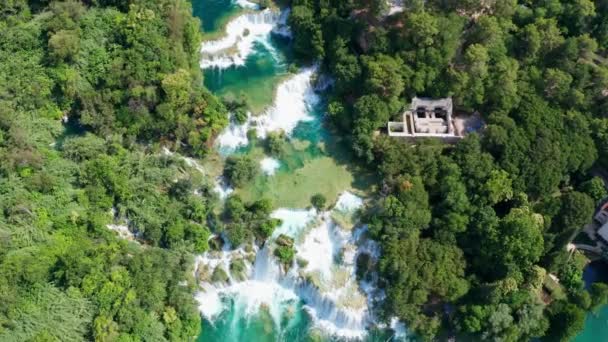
(320, 298)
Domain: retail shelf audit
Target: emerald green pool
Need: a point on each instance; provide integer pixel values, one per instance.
(256, 80)
(234, 326)
(213, 13)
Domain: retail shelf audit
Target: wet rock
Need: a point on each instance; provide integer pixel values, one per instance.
(302, 263)
(216, 243)
(284, 240)
(365, 265)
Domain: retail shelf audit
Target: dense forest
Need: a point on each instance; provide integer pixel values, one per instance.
(469, 233)
(100, 99)
(90, 93)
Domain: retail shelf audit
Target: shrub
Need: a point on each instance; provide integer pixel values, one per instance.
(318, 201)
(276, 145)
(240, 170)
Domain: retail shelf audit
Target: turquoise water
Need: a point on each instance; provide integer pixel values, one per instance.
(235, 326)
(257, 79)
(213, 13)
(596, 325)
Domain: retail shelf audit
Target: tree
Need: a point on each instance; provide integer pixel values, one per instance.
(422, 28)
(595, 189)
(318, 201)
(476, 60)
(498, 187)
(64, 45)
(576, 210)
(309, 41)
(566, 320)
(599, 295)
(240, 170)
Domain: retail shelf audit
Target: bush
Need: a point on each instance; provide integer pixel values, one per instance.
(318, 201)
(238, 108)
(595, 189)
(285, 254)
(238, 268)
(276, 145)
(285, 251)
(240, 170)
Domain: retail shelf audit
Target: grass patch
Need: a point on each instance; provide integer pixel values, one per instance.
(294, 190)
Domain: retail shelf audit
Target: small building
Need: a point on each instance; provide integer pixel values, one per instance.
(427, 118)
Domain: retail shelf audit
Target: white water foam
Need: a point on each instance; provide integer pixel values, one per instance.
(399, 329)
(238, 42)
(269, 166)
(246, 4)
(293, 221)
(333, 297)
(262, 286)
(294, 101)
(348, 202)
(222, 188)
(327, 285)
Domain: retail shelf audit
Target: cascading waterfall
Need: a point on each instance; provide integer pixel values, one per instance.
(294, 100)
(241, 35)
(323, 278)
(322, 282)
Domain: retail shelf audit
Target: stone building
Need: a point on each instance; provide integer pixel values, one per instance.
(428, 118)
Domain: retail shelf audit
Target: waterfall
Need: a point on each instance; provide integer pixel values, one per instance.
(325, 281)
(221, 188)
(240, 36)
(294, 100)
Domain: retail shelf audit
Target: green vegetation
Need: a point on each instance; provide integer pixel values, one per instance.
(124, 78)
(244, 222)
(318, 201)
(276, 144)
(295, 189)
(285, 250)
(237, 107)
(240, 170)
(477, 225)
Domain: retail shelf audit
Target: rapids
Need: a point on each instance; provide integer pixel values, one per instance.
(323, 279)
(293, 103)
(244, 293)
